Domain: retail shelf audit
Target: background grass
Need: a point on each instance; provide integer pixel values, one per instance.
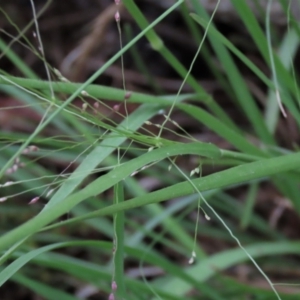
(134, 182)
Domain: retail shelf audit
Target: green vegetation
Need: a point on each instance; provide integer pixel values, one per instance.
(95, 223)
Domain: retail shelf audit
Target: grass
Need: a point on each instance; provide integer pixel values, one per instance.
(96, 224)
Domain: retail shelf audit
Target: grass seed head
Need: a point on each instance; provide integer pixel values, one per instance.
(117, 17)
(114, 286)
(111, 297)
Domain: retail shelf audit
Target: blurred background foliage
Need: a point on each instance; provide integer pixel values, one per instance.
(238, 111)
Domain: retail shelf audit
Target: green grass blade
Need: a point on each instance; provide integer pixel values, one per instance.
(119, 228)
(238, 85)
(235, 175)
